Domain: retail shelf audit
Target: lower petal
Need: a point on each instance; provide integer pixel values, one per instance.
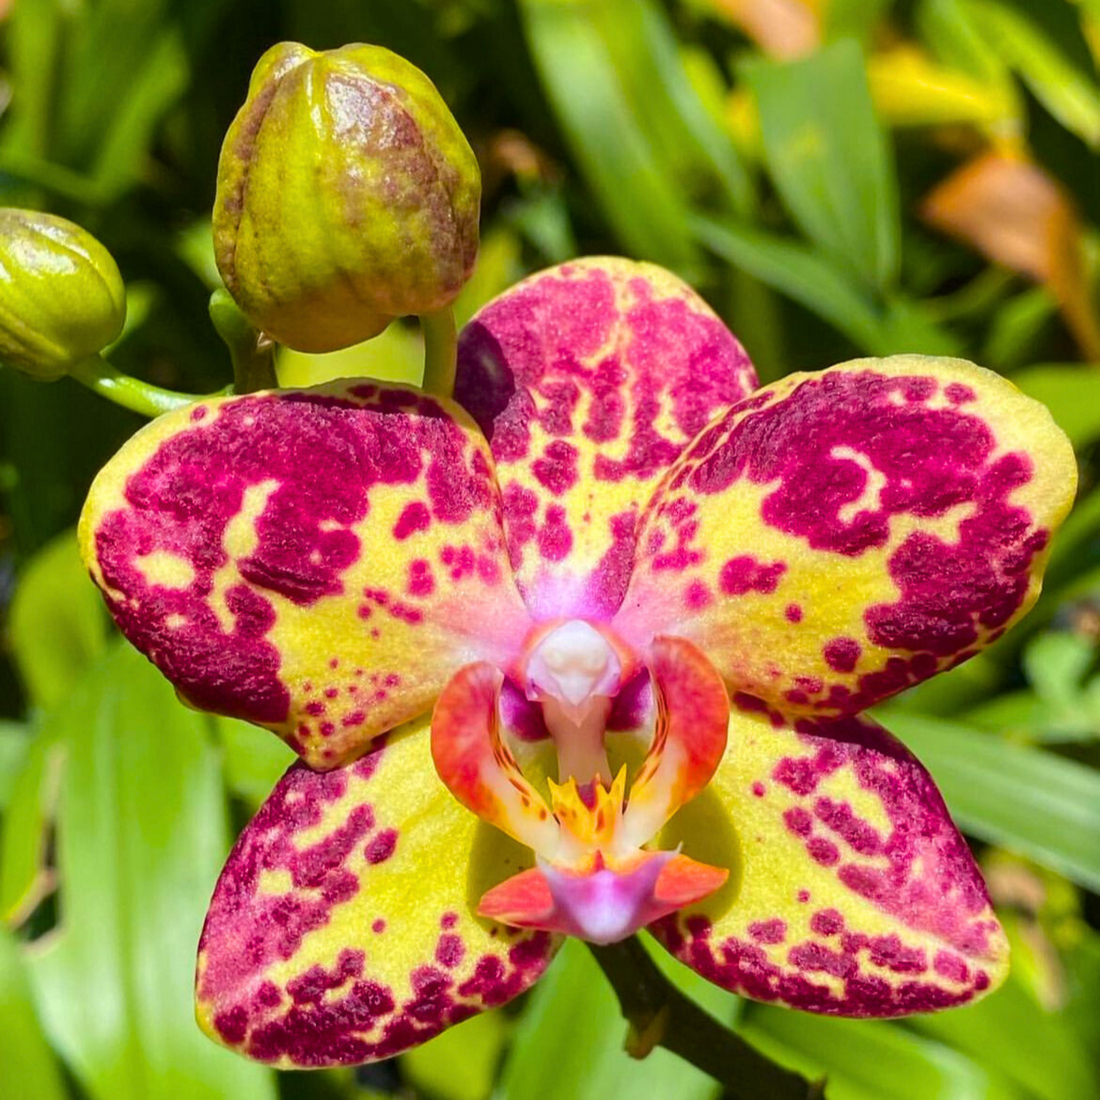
(851, 892)
(343, 927)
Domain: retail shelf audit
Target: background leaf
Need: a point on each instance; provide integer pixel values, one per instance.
(828, 158)
(30, 1068)
(141, 836)
(569, 1045)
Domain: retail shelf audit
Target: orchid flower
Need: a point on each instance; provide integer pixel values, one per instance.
(607, 549)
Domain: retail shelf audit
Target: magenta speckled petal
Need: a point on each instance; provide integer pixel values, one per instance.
(840, 536)
(589, 379)
(307, 560)
(850, 893)
(342, 929)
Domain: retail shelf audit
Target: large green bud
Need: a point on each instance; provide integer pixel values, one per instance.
(62, 298)
(347, 196)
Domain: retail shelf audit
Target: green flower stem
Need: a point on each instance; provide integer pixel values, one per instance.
(131, 393)
(440, 351)
(253, 355)
(660, 1015)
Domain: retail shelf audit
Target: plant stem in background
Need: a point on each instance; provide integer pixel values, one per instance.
(252, 353)
(660, 1015)
(440, 351)
(131, 393)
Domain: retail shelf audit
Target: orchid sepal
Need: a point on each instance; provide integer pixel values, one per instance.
(851, 891)
(304, 559)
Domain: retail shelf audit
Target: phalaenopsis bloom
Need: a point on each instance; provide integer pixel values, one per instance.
(580, 652)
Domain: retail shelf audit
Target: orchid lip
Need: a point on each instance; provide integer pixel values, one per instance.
(606, 905)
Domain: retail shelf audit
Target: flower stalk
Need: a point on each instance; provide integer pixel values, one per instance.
(440, 351)
(129, 392)
(252, 353)
(660, 1015)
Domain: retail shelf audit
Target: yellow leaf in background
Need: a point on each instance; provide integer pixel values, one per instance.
(910, 89)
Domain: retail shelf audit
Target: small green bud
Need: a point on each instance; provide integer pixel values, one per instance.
(347, 196)
(62, 298)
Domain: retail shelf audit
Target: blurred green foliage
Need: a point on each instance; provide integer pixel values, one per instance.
(810, 178)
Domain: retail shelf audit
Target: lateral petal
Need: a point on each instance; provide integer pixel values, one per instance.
(307, 559)
(477, 767)
(589, 379)
(840, 536)
(688, 742)
(851, 892)
(343, 928)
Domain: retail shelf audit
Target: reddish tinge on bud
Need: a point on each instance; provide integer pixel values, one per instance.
(347, 196)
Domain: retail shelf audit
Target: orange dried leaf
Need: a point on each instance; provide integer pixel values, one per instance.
(781, 28)
(1015, 214)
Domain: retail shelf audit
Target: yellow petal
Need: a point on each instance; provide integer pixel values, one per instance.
(343, 928)
(840, 536)
(850, 892)
(307, 559)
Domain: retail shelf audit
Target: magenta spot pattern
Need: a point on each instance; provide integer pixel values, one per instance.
(920, 872)
(572, 387)
(315, 457)
(808, 443)
(343, 1014)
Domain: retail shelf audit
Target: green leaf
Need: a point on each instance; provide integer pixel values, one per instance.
(141, 834)
(14, 744)
(569, 1044)
(57, 626)
(823, 288)
(29, 1067)
(254, 759)
(1021, 798)
(688, 140)
(1009, 1030)
(156, 84)
(950, 30)
(33, 43)
(1072, 393)
(870, 1059)
(1017, 327)
(828, 157)
(1043, 41)
(638, 197)
(1056, 663)
(1022, 715)
(25, 877)
(853, 18)
(800, 273)
(461, 1063)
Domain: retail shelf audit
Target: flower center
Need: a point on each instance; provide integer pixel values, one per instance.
(593, 876)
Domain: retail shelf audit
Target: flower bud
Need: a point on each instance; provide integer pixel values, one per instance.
(347, 196)
(62, 298)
